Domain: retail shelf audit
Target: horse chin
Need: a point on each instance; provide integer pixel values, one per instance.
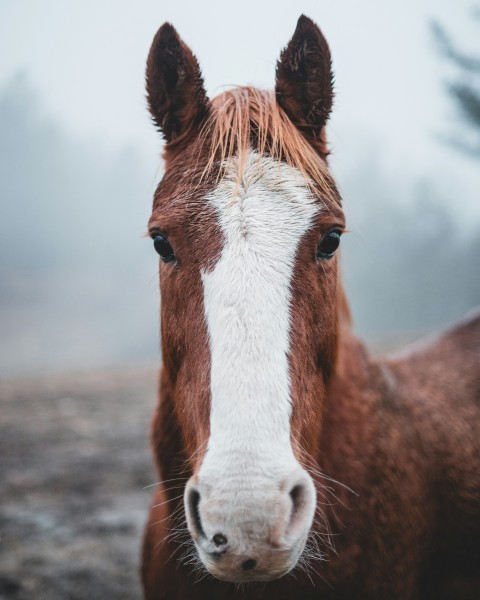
(270, 565)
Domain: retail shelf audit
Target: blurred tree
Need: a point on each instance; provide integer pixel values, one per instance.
(466, 88)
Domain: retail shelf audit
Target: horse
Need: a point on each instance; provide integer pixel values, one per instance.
(293, 464)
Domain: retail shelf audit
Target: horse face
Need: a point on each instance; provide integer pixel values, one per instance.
(248, 288)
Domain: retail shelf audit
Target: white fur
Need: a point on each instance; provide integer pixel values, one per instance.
(247, 307)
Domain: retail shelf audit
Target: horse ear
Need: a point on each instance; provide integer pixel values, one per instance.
(176, 96)
(304, 80)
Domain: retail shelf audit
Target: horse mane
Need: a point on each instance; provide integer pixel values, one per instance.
(245, 118)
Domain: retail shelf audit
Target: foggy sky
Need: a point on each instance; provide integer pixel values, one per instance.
(87, 59)
(79, 161)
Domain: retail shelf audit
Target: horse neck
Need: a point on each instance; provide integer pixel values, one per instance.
(344, 314)
(351, 406)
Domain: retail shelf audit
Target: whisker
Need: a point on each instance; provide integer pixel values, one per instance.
(164, 482)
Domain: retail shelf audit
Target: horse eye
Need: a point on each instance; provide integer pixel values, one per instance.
(163, 248)
(329, 244)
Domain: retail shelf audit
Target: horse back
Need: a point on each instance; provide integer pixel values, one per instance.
(441, 375)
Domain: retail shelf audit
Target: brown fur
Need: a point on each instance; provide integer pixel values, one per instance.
(393, 445)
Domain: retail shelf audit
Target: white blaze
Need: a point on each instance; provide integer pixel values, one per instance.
(247, 306)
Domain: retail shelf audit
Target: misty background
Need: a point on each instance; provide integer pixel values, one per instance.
(79, 161)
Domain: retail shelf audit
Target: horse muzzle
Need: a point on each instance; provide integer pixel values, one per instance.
(250, 527)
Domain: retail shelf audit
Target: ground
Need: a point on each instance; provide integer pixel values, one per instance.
(74, 464)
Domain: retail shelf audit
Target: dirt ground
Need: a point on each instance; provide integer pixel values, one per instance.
(74, 462)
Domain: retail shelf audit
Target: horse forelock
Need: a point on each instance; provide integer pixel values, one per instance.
(246, 118)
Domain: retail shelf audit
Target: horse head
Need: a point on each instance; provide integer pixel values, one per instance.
(247, 221)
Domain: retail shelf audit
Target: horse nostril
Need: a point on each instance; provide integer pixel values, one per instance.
(219, 539)
(249, 564)
(298, 496)
(193, 501)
